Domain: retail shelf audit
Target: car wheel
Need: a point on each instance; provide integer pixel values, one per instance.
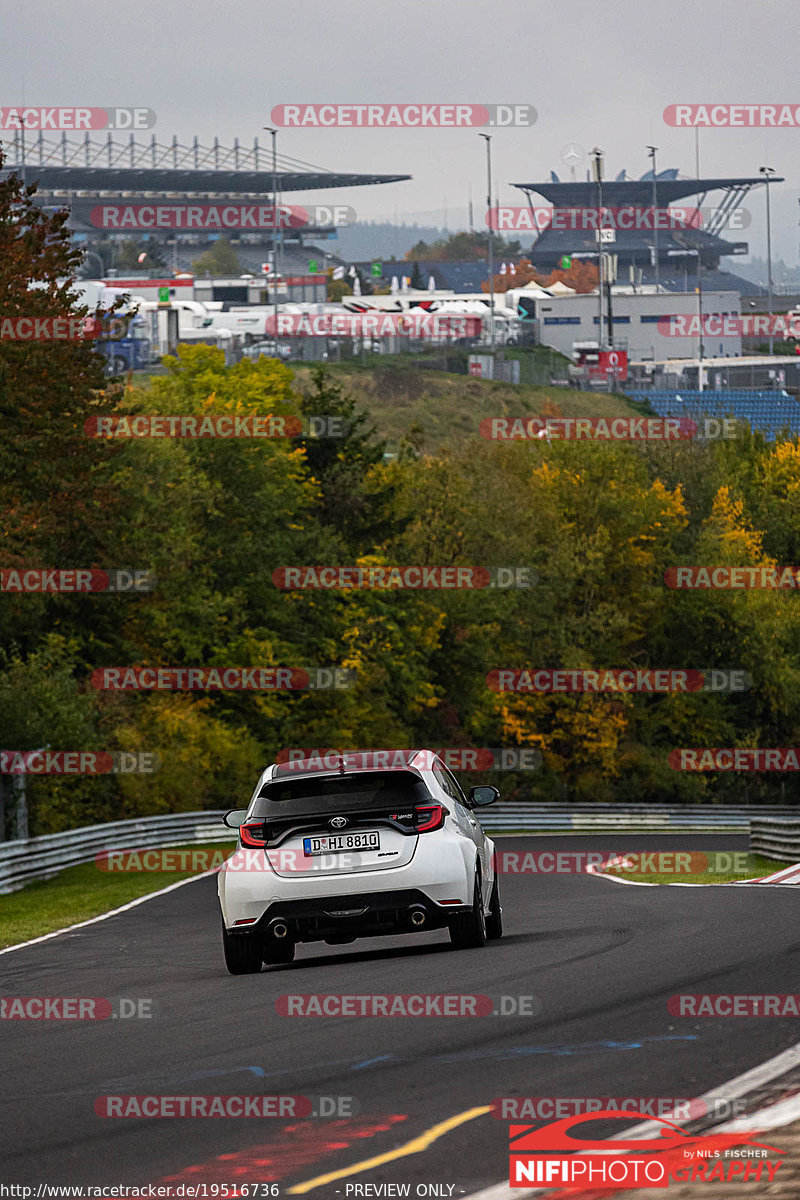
(278, 952)
(242, 953)
(494, 921)
(468, 930)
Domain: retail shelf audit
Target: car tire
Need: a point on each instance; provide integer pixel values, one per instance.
(468, 930)
(278, 952)
(243, 953)
(494, 921)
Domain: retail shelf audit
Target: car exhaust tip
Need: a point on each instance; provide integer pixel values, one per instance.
(279, 929)
(418, 916)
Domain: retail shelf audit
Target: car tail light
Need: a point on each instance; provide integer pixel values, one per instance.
(252, 835)
(430, 816)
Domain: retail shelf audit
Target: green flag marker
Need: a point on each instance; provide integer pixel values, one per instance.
(376, 269)
(566, 262)
(163, 295)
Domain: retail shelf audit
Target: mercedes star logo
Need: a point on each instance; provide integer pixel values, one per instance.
(337, 822)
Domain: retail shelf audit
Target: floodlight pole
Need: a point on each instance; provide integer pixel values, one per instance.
(766, 172)
(597, 155)
(652, 156)
(274, 134)
(488, 140)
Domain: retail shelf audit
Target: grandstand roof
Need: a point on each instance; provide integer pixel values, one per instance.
(638, 192)
(182, 180)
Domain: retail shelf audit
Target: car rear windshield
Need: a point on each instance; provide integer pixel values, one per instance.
(340, 793)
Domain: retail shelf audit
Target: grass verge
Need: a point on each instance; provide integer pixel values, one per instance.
(727, 867)
(81, 892)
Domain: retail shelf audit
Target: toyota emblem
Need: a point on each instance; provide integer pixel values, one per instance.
(338, 822)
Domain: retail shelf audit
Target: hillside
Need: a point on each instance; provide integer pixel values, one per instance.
(433, 408)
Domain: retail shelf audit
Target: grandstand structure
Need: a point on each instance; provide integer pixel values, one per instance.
(83, 174)
(678, 250)
(772, 412)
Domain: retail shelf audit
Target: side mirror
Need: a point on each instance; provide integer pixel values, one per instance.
(482, 795)
(234, 818)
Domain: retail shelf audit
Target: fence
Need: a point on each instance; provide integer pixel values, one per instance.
(43, 857)
(776, 837)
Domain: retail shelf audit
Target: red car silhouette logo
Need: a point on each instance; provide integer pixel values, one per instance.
(556, 1137)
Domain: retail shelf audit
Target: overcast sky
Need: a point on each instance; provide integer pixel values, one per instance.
(597, 74)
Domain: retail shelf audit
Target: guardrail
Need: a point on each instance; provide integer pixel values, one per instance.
(777, 831)
(513, 815)
(777, 837)
(43, 857)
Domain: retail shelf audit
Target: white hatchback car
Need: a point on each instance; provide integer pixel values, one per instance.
(353, 846)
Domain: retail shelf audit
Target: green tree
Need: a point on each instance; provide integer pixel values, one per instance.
(219, 259)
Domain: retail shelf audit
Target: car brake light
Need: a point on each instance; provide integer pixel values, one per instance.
(430, 816)
(248, 833)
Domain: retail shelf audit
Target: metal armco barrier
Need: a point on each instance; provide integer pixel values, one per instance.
(592, 818)
(42, 857)
(776, 837)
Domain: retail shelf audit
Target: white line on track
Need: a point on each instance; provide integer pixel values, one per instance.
(45, 937)
(771, 1116)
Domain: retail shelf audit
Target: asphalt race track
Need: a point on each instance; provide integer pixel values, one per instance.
(600, 958)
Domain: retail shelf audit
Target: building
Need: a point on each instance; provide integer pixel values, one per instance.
(667, 246)
(640, 321)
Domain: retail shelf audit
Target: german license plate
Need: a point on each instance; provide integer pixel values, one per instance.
(335, 843)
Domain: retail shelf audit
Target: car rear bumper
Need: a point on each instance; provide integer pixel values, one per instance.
(359, 914)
